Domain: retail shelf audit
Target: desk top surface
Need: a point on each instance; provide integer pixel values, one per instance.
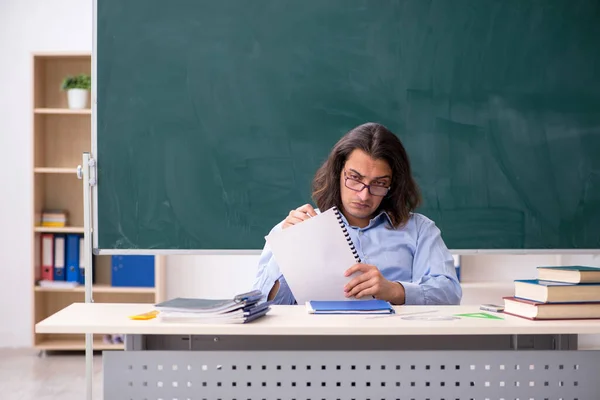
(107, 318)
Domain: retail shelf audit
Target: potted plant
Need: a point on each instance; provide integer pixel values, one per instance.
(77, 88)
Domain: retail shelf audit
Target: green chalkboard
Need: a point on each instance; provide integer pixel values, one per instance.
(212, 116)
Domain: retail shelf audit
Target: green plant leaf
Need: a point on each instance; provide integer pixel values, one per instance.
(81, 81)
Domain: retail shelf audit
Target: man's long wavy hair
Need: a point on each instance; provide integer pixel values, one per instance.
(379, 143)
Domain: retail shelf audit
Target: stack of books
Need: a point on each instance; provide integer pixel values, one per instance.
(566, 292)
(241, 309)
(54, 218)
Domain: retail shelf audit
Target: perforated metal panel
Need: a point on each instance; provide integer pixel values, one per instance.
(360, 375)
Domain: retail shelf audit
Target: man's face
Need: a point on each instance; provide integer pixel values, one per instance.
(359, 206)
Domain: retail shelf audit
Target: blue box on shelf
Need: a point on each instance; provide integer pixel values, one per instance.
(136, 271)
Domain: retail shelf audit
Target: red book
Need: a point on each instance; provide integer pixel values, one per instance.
(535, 310)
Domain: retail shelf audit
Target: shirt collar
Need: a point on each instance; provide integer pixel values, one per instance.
(374, 221)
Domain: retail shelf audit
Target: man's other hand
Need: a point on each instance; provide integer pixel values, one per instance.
(370, 282)
(298, 215)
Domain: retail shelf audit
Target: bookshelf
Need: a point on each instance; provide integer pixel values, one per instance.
(60, 137)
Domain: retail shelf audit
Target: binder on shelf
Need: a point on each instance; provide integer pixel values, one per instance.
(132, 271)
(59, 257)
(72, 260)
(47, 256)
(81, 261)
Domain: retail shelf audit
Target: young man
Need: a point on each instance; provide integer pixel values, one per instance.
(405, 261)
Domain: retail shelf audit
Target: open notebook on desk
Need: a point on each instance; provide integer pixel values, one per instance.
(313, 256)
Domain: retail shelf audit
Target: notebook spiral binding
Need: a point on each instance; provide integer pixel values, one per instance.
(345, 230)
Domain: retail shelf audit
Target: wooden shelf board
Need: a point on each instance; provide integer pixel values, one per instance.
(62, 111)
(61, 54)
(67, 229)
(100, 288)
(75, 344)
(45, 170)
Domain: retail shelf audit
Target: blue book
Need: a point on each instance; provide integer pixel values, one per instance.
(349, 307)
(556, 292)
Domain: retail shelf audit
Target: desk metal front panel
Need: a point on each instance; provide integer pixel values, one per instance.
(374, 342)
(352, 375)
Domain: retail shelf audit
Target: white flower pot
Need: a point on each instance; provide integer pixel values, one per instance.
(77, 98)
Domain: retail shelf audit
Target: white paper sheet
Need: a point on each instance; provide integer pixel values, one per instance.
(313, 256)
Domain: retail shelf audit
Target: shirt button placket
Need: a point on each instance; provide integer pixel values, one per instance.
(362, 245)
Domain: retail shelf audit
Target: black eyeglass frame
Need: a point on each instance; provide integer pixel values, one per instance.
(364, 185)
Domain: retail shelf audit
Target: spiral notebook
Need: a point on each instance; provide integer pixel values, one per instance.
(313, 256)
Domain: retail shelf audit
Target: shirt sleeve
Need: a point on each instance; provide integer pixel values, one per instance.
(268, 273)
(434, 280)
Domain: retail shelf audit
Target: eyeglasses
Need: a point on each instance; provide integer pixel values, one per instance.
(358, 186)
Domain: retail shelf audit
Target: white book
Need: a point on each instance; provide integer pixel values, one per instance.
(313, 256)
(58, 284)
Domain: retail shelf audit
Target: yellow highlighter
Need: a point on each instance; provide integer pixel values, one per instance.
(145, 316)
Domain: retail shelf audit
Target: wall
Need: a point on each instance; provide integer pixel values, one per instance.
(28, 26)
(210, 275)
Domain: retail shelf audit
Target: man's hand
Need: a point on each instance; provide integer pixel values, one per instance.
(371, 283)
(298, 215)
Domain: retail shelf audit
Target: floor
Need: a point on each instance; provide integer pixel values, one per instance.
(24, 375)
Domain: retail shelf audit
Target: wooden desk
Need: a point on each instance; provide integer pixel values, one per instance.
(290, 354)
(103, 318)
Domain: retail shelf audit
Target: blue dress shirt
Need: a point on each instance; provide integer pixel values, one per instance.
(414, 255)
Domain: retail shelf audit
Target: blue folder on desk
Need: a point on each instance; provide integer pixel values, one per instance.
(349, 307)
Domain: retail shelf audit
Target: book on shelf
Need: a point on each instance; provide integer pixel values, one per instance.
(54, 218)
(57, 284)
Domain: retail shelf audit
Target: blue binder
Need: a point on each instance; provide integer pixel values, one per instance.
(72, 259)
(136, 271)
